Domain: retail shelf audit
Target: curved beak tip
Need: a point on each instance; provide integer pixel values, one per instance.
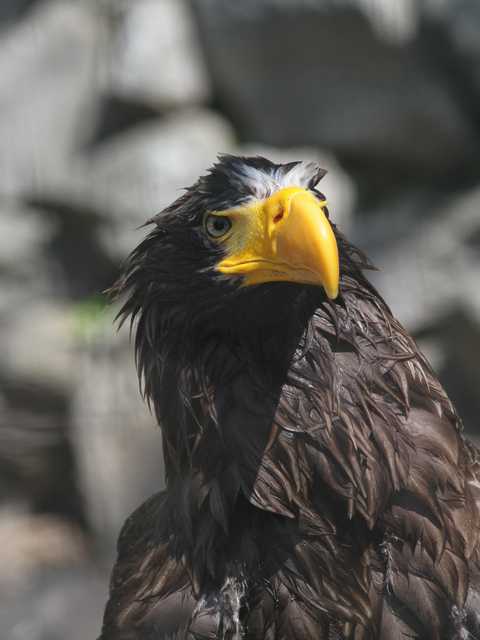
(332, 292)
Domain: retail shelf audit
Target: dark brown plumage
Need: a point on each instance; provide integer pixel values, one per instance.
(318, 482)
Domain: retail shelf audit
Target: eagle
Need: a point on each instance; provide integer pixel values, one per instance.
(318, 482)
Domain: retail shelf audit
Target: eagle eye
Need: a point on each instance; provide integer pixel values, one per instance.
(217, 226)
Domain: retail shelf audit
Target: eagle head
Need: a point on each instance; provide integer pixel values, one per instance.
(246, 225)
(269, 223)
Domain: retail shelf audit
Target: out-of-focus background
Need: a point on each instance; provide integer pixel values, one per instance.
(107, 109)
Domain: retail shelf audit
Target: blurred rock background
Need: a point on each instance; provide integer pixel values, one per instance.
(107, 109)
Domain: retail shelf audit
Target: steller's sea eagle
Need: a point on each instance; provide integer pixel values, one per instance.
(318, 484)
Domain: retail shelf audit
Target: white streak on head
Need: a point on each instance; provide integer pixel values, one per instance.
(262, 183)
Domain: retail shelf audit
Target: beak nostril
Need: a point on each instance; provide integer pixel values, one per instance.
(278, 217)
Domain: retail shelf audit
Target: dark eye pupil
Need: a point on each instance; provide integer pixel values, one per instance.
(217, 226)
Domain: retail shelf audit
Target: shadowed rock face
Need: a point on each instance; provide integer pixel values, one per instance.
(12, 9)
(335, 75)
(108, 109)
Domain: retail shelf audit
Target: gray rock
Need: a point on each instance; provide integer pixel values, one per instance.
(61, 604)
(325, 74)
(49, 87)
(156, 58)
(35, 542)
(130, 177)
(13, 9)
(425, 247)
(37, 340)
(36, 458)
(460, 21)
(23, 233)
(38, 343)
(118, 446)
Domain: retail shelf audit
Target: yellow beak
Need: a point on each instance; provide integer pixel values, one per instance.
(287, 238)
